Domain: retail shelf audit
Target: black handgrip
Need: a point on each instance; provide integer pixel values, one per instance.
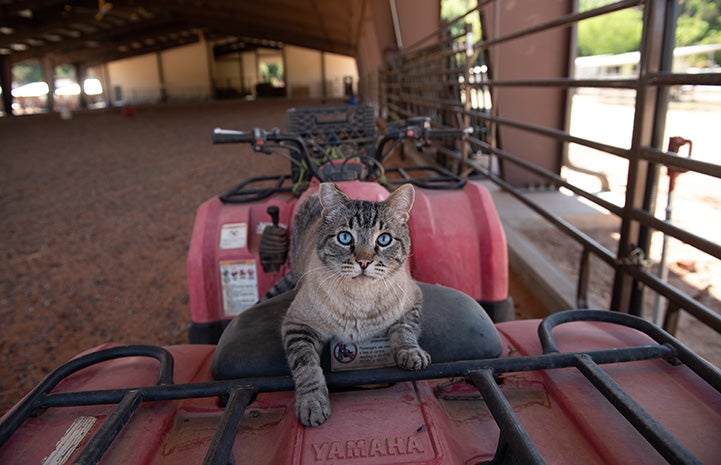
(230, 136)
(256, 136)
(438, 133)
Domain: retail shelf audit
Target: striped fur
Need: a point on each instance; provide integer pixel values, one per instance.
(308, 212)
(349, 261)
(284, 284)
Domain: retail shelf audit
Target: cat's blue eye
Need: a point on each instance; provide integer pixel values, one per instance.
(384, 239)
(345, 238)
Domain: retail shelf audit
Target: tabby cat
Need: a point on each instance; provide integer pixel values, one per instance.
(349, 257)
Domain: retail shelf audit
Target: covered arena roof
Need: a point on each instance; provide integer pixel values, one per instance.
(90, 32)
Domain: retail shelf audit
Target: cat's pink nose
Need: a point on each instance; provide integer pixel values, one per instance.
(364, 263)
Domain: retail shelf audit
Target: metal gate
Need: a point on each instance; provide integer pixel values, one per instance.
(450, 76)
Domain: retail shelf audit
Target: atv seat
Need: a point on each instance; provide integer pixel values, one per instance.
(455, 327)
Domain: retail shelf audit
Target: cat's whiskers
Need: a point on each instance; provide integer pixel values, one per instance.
(335, 275)
(385, 283)
(318, 269)
(406, 297)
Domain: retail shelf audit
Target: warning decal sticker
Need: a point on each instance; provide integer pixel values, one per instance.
(374, 353)
(234, 236)
(240, 285)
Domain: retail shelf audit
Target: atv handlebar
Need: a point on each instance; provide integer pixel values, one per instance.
(418, 129)
(230, 136)
(258, 137)
(421, 132)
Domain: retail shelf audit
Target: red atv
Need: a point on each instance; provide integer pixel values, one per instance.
(579, 387)
(235, 257)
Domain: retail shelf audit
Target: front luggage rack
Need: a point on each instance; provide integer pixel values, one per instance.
(514, 444)
(262, 187)
(258, 188)
(431, 177)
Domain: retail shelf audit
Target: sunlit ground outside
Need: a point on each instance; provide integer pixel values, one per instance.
(607, 116)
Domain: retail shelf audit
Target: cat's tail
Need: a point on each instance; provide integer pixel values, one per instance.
(284, 284)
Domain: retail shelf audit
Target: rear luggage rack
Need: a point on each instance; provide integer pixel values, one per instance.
(514, 445)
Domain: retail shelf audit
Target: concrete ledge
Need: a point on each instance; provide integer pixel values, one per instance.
(555, 289)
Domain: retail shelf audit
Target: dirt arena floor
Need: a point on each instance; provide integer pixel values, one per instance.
(97, 213)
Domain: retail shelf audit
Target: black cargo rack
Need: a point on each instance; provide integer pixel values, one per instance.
(514, 446)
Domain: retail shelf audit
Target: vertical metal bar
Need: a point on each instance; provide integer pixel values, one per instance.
(657, 133)
(396, 24)
(671, 317)
(380, 79)
(667, 445)
(522, 447)
(652, 42)
(219, 452)
(584, 271)
(469, 59)
(110, 429)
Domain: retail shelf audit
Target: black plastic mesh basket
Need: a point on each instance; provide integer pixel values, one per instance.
(336, 125)
(333, 132)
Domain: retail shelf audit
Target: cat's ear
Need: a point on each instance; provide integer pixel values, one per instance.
(401, 201)
(331, 198)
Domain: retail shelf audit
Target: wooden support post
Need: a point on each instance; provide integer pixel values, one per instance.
(241, 64)
(81, 72)
(161, 76)
(6, 78)
(107, 85)
(49, 77)
(324, 82)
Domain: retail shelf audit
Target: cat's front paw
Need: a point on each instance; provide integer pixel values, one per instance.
(412, 358)
(312, 408)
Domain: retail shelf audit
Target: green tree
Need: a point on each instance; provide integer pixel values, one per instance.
(612, 33)
(65, 71)
(699, 22)
(26, 72)
(452, 9)
(271, 72)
